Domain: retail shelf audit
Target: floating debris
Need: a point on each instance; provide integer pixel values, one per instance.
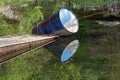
(108, 23)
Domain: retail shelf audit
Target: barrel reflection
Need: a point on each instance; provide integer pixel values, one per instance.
(63, 49)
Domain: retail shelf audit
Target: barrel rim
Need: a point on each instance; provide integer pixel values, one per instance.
(74, 16)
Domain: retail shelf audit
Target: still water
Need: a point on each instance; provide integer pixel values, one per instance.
(89, 57)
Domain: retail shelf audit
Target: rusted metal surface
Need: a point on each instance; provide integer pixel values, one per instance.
(11, 46)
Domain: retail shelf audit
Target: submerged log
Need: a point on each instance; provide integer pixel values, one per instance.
(12, 46)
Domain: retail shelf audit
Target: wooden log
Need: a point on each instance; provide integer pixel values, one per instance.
(12, 46)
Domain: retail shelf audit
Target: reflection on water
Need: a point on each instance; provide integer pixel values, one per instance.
(62, 48)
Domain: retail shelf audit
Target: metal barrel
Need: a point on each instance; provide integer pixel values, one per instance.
(63, 22)
(63, 49)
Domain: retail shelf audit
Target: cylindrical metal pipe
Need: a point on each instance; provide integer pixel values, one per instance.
(15, 45)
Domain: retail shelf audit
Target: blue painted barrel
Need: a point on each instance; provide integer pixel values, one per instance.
(63, 22)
